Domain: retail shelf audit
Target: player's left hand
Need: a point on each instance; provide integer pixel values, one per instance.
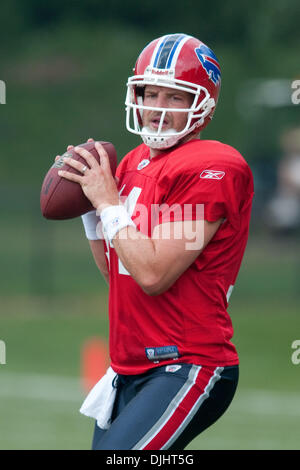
(96, 180)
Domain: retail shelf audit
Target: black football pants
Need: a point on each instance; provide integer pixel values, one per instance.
(165, 408)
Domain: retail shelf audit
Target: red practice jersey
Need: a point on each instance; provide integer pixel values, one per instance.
(188, 322)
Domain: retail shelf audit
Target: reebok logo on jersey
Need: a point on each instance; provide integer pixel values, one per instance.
(212, 174)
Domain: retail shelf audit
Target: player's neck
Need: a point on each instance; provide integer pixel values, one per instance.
(155, 152)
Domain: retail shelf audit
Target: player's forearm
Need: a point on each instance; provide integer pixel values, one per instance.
(154, 262)
(136, 251)
(157, 262)
(139, 256)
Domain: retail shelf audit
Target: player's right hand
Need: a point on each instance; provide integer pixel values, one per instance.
(70, 147)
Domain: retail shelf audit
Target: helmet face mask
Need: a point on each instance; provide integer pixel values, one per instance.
(173, 62)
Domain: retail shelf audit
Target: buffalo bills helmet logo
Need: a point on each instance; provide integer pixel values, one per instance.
(209, 62)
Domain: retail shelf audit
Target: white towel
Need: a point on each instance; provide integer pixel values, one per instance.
(100, 400)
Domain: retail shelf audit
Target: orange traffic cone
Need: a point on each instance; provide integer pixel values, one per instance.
(94, 362)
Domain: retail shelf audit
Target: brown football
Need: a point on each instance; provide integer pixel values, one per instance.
(64, 199)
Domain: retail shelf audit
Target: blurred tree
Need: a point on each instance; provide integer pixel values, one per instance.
(62, 55)
(241, 23)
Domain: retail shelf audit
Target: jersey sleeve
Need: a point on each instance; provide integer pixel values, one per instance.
(208, 193)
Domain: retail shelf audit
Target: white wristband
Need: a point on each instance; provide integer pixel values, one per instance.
(92, 225)
(114, 218)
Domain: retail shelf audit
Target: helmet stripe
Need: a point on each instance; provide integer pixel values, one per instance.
(163, 41)
(171, 55)
(167, 50)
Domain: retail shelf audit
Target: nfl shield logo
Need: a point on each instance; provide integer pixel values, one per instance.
(142, 164)
(150, 353)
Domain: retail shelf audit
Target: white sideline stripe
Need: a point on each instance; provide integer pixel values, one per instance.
(55, 388)
(40, 387)
(267, 402)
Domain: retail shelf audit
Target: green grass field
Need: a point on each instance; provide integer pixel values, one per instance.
(41, 391)
(40, 386)
(52, 298)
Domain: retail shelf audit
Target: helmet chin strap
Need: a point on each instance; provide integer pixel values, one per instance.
(164, 140)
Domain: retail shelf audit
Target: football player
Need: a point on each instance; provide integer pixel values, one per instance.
(175, 223)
